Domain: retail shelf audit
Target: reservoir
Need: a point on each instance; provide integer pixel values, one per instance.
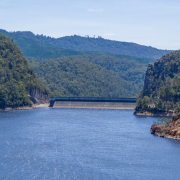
(84, 144)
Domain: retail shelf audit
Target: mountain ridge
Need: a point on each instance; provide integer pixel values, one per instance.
(78, 43)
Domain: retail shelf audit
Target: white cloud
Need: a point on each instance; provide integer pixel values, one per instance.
(95, 10)
(109, 34)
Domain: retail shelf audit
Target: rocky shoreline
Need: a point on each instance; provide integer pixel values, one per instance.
(157, 114)
(170, 130)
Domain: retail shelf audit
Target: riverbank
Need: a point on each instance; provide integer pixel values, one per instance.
(41, 105)
(170, 130)
(46, 105)
(17, 108)
(157, 114)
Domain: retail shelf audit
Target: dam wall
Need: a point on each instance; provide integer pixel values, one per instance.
(94, 103)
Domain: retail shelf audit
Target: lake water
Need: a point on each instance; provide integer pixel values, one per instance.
(84, 144)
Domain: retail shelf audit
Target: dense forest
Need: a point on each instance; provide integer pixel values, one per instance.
(128, 70)
(165, 76)
(90, 76)
(17, 79)
(128, 57)
(162, 82)
(82, 44)
(88, 72)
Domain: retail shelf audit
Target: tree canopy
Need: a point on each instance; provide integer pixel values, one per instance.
(90, 76)
(15, 76)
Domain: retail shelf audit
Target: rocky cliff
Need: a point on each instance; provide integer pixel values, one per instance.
(163, 78)
(37, 96)
(170, 130)
(162, 81)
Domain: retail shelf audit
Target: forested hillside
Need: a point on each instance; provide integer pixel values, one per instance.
(162, 81)
(17, 79)
(90, 76)
(161, 95)
(128, 57)
(39, 50)
(78, 43)
(128, 70)
(125, 73)
(163, 78)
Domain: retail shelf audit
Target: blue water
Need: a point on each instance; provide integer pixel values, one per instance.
(84, 144)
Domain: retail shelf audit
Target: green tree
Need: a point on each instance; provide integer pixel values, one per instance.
(164, 106)
(171, 106)
(145, 102)
(139, 104)
(160, 104)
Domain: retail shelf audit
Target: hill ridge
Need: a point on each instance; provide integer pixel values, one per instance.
(79, 43)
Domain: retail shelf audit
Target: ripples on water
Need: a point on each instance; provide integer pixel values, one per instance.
(84, 144)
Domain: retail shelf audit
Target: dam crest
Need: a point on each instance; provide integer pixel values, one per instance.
(94, 103)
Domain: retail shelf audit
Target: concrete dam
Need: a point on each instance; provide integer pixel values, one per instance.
(94, 103)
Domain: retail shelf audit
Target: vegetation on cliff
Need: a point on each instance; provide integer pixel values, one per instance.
(161, 93)
(148, 104)
(16, 77)
(163, 78)
(162, 83)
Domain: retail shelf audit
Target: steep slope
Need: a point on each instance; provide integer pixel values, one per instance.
(17, 79)
(79, 43)
(162, 82)
(163, 78)
(75, 78)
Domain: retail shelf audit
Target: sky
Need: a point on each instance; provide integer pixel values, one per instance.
(153, 23)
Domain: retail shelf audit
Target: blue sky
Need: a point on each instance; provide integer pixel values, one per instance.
(148, 22)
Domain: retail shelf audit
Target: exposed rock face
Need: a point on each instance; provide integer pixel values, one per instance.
(149, 78)
(171, 130)
(37, 96)
(167, 66)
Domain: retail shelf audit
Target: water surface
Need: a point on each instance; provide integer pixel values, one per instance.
(84, 144)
